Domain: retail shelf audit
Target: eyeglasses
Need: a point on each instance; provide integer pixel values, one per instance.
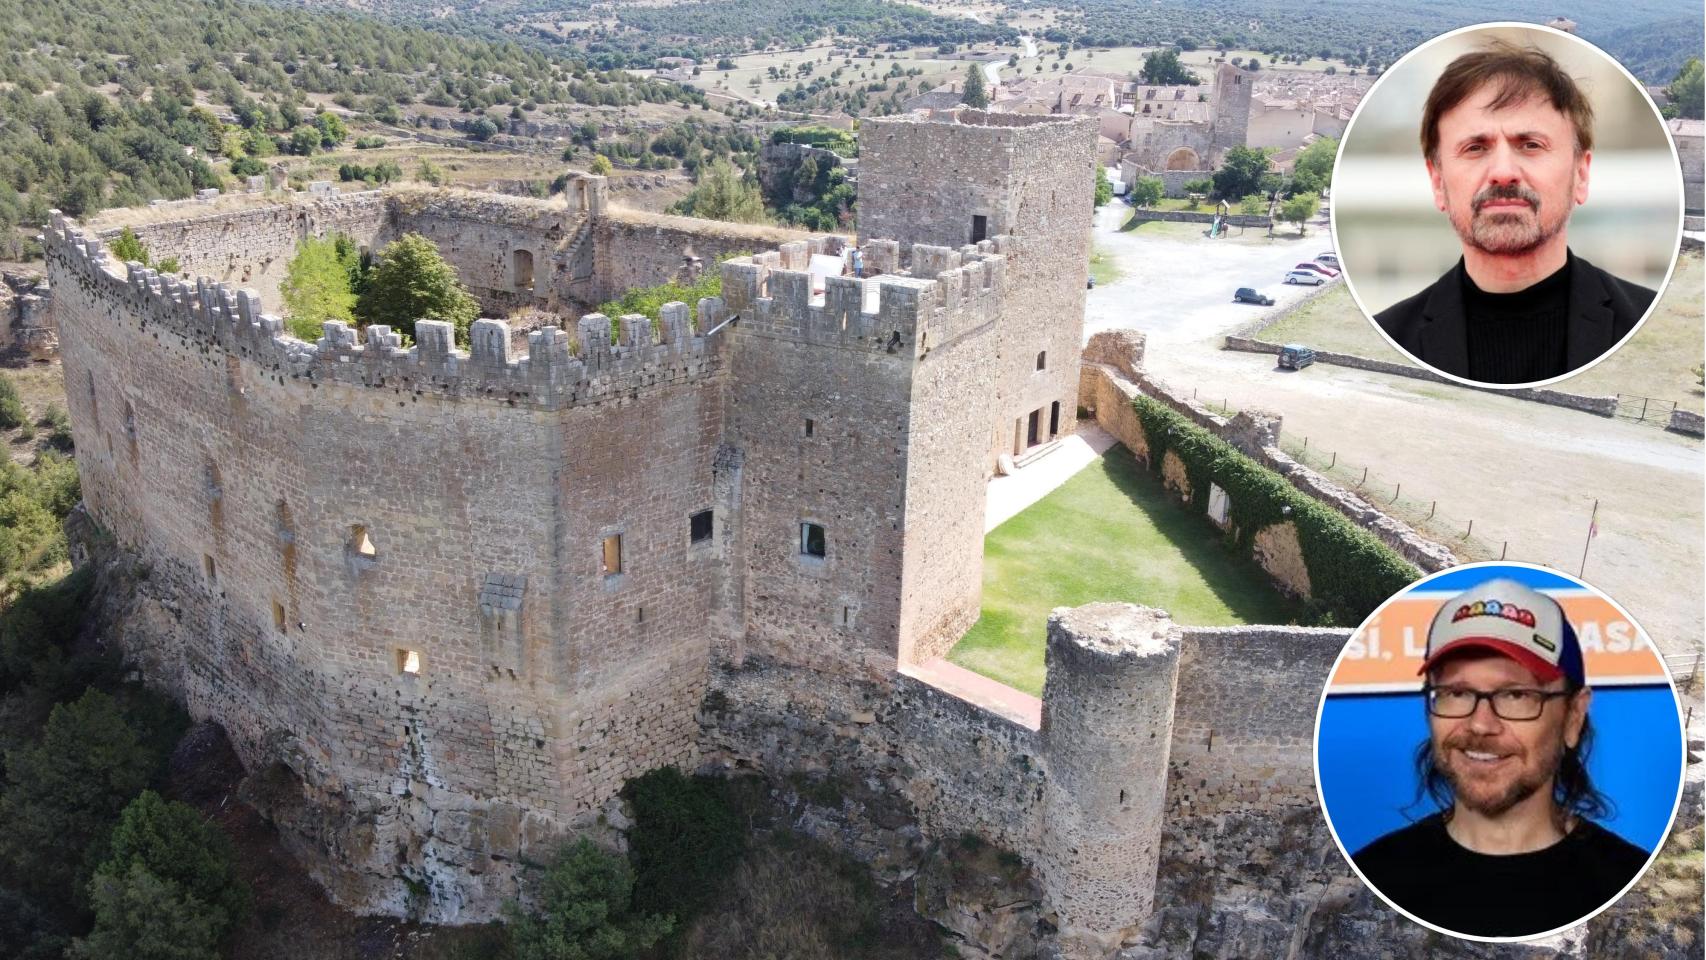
(1511, 703)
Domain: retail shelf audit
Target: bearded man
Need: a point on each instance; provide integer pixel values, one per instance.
(1513, 850)
(1508, 140)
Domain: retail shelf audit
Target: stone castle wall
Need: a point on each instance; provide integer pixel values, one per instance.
(641, 249)
(1244, 721)
(238, 463)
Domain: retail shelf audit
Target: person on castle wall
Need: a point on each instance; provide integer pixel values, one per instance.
(1514, 850)
(1507, 138)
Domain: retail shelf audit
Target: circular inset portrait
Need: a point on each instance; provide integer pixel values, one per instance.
(1499, 751)
(1507, 205)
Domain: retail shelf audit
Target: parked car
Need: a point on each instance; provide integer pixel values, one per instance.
(1320, 268)
(1251, 295)
(1329, 258)
(1295, 356)
(1305, 278)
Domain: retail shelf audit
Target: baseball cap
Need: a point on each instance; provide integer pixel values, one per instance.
(1509, 618)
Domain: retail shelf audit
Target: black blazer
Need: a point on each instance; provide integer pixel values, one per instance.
(1430, 325)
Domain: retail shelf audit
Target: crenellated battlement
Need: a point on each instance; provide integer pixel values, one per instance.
(865, 298)
(559, 369)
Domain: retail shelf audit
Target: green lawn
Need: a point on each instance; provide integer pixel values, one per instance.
(1110, 533)
(1103, 269)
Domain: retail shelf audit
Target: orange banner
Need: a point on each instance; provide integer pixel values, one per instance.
(1386, 655)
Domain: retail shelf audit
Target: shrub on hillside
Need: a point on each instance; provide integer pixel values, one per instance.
(12, 411)
(586, 910)
(685, 841)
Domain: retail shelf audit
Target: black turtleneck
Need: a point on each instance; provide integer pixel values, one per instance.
(1518, 337)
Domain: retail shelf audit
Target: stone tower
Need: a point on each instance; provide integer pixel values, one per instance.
(1232, 88)
(1113, 669)
(964, 176)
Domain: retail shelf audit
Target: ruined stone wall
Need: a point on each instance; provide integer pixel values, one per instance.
(633, 250)
(26, 316)
(505, 249)
(237, 463)
(1244, 719)
(251, 246)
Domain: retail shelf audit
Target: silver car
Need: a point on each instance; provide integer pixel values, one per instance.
(1305, 277)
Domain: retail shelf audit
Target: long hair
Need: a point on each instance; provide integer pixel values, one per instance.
(1572, 789)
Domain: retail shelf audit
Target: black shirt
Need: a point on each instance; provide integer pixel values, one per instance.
(1422, 869)
(1518, 337)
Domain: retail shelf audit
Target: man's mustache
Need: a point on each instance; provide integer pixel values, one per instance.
(1506, 192)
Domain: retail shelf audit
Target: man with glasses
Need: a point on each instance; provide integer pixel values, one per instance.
(1513, 849)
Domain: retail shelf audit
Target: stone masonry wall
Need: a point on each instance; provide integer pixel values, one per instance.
(240, 467)
(1244, 720)
(251, 246)
(640, 250)
(924, 180)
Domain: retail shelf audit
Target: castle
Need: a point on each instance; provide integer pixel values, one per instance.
(451, 601)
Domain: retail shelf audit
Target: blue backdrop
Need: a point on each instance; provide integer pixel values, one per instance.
(1368, 782)
(1366, 744)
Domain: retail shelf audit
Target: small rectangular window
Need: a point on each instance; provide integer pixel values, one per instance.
(809, 426)
(612, 561)
(979, 228)
(699, 527)
(812, 540)
(1042, 360)
(409, 661)
(278, 616)
(207, 567)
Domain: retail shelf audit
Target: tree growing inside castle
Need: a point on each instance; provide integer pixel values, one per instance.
(723, 194)
(976, 94)
(411, 282)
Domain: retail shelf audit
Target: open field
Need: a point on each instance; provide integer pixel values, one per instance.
(1657, 362)
(855, 70)
(1112, 532)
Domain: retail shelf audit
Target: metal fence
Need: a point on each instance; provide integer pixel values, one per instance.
(1644, 409)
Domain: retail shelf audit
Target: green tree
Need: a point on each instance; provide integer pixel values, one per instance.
(139, 916)
(64, 792)
(428, 172)
(1104, 189)
(1162, 67)
(1686, 91)
(1240, 171)
(976, 94)
(317, 287)
(1147, 191)
(1253, 205)
(1312, 172)
(304, 140)
(722, 194)
(332, 130)
(175, 843)
(1299, 209)
(483, 129)
(601, 166)
(412, 282)
(686, 840)
(585, 902)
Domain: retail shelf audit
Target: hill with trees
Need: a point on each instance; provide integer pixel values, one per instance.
(108, 104)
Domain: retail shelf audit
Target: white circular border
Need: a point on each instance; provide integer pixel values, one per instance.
(1681, 203)
(1682, 768)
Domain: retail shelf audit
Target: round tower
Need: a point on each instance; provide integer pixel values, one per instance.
(1106, 727)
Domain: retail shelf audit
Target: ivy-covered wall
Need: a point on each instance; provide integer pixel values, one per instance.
(1350, 572)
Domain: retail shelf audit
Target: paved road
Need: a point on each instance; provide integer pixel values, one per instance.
(1176, 287)
(1525, 472)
